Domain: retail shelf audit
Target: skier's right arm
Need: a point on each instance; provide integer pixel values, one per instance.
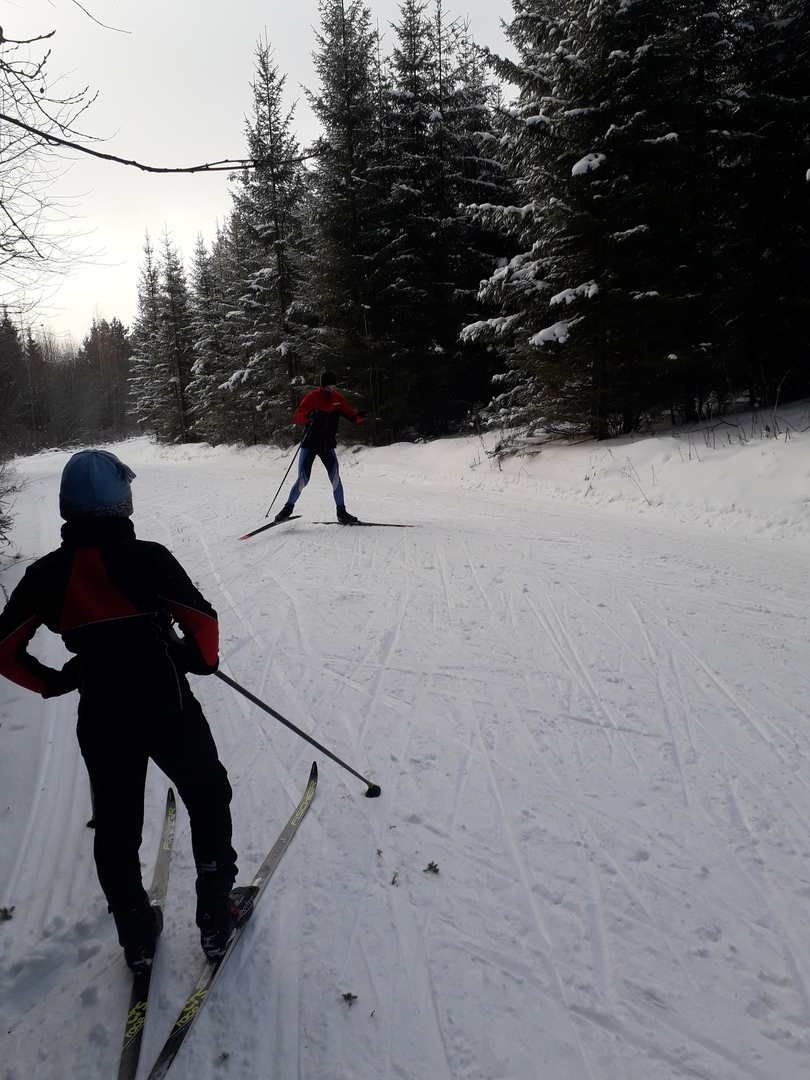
(19, 621)
(308, 404)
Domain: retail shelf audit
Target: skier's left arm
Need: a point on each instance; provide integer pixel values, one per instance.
(356, 416)
(194, 615)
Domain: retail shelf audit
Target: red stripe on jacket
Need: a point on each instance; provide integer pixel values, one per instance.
(9, 668)
(91, 595)
(202, 628)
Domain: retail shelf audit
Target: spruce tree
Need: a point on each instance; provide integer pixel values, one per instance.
(163, 341)
(145, 330)
(266, 210)
(210, 401)
(175, 347)
(15, 391)
(224, 398)
(342, 229)
(430, 254)
(613, 143)
(102, 366)
(464, 250)
(766, 261)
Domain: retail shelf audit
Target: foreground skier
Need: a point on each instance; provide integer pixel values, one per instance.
(113, 599)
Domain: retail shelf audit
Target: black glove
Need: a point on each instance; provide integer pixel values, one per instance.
(361, 415)
(312, 414)
(188, 657)
(64, 681)
(185, 654)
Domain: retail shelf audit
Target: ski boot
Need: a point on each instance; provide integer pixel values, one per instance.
(138, 931)
(220, 911)
(214, 915)
(285, 512)
(344, 517)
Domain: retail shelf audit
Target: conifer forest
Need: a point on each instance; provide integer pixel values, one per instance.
(603, 233)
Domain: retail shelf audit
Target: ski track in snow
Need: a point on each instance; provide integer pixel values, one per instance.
(593, 725)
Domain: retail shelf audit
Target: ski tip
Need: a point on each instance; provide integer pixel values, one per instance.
(373, 792)
(313, 772)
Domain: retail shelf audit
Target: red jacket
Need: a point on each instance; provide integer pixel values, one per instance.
(328, 409)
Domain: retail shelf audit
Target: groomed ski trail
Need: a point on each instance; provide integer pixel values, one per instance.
(593, 726)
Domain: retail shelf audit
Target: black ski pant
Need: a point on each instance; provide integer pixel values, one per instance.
(118, 734)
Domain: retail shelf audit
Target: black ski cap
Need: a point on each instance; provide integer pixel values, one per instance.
(328, 379)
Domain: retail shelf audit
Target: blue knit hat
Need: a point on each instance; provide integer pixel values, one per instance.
(95, 482)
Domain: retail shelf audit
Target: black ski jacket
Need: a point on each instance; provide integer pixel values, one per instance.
(113, 599)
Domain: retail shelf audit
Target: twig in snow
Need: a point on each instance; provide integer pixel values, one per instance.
(629, 471)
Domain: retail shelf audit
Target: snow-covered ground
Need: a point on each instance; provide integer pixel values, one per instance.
(582, 681)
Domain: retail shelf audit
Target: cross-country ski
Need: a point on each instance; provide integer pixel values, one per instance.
(139, 998)
(213, 968)
(269, 525)
(368, 524)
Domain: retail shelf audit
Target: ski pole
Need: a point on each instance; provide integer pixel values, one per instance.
(281, 485)
(373, 789)
(287, 473)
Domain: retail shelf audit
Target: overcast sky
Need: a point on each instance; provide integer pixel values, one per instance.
(173, 90)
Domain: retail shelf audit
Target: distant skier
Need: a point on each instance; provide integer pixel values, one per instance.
(113, 600)
(321, 411)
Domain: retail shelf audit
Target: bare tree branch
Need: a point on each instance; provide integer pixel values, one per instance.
(226, 165)
(39, 128)
(37, 241)
(98, 21)
(24, 41)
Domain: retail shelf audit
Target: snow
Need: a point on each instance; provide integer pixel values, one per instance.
(588, 289)
(581, 680)
(559, 331)
(588, 163)
(671, 136)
